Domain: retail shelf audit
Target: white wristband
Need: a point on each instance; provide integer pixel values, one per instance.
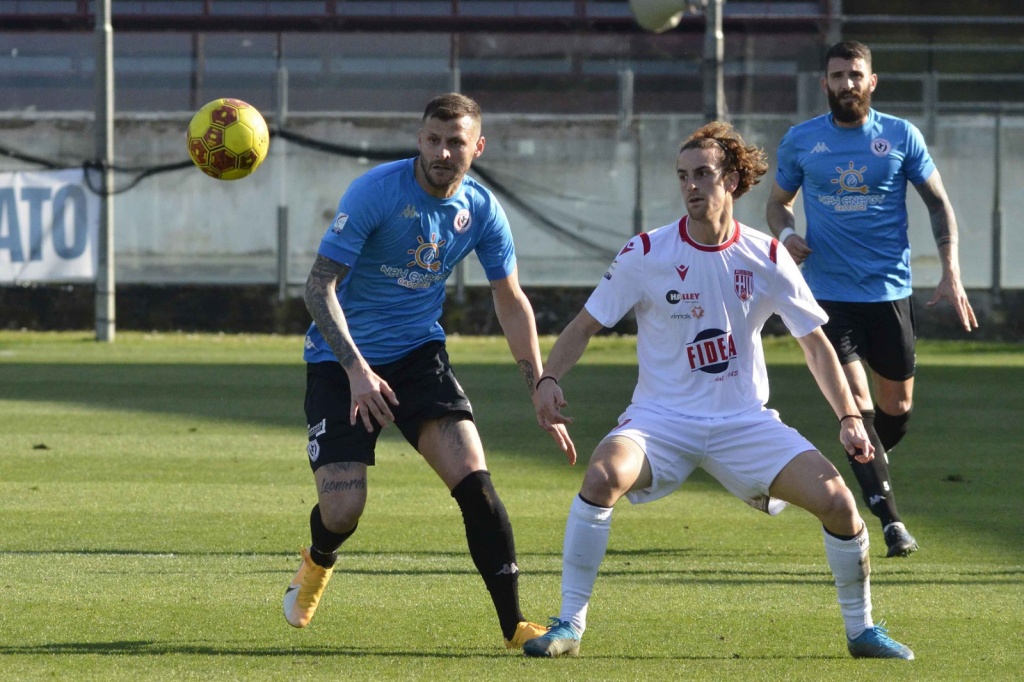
(786, 234)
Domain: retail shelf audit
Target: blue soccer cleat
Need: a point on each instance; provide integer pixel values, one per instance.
(876, 643)
(561, 640)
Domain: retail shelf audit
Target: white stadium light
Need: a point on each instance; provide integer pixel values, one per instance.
(662, 15)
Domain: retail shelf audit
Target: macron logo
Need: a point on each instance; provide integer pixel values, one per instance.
(820, 147)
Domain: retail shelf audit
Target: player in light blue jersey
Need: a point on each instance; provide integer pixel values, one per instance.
(375, 352)
(853, 166)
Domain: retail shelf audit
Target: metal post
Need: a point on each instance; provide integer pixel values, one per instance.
(625, 103)
(835, 22)
(105, 310)
(282, 184)
(455, 78)
(639, 219)
(714, 55)
(198, 71)
(997, 216)
(931, 104)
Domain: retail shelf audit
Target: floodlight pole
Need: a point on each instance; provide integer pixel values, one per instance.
(281, 172)
(997, 215)
(714, 56)
(104, 75)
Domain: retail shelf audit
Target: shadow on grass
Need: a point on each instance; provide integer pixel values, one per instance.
(264, 394)
(157, 648)
(666, 566)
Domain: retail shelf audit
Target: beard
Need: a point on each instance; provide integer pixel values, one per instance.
(436, 183)
(849, 112)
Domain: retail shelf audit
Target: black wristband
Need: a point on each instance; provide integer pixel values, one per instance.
(847, 416)
(537, 385)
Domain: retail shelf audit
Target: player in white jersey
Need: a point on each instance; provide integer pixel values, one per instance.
(702, 290)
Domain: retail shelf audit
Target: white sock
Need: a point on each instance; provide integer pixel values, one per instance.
(851, 568)
(586, 539)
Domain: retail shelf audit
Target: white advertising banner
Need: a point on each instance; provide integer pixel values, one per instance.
(49, 227)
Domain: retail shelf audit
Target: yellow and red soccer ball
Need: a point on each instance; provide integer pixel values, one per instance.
(228, 139)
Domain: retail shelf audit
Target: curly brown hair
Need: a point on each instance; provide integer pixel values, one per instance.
(747, 160)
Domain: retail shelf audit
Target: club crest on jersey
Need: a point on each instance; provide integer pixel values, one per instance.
(462, 221)
(426, 253)
(743, 283)
(710, 351)
(339, 223)
(880, 146)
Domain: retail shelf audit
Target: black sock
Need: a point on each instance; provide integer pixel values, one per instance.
(844, 538)
(873, 477)
(891, 428)
(491, 545)
(324, 550)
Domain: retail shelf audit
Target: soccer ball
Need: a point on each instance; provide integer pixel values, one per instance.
(228, 139)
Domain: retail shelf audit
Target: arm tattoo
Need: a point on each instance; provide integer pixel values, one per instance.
(940, 212)
(322, 304)
(526, 369)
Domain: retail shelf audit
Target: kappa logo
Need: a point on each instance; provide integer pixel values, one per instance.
(875, 499)
(410, 212)
(820, 148)
(508, 569)
(682, 270)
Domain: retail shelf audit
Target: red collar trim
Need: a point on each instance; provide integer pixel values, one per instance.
(685, 236)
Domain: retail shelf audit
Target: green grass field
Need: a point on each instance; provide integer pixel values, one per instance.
(154, 493)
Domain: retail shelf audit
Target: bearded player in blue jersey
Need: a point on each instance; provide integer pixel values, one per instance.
(853, 166)
(376, 355)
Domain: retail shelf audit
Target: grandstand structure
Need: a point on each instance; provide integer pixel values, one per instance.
(576, 97)
(515, 56)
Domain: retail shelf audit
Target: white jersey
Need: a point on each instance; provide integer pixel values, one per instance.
(700, 310)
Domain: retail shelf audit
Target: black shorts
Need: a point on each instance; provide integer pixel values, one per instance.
(881, 334)
(426, 389)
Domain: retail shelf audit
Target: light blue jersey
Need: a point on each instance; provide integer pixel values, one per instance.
(402, 244)
(854, 182)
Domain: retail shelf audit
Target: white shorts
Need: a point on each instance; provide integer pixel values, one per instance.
(743, 452)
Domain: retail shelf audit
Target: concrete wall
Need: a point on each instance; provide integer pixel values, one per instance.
(569, 187)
